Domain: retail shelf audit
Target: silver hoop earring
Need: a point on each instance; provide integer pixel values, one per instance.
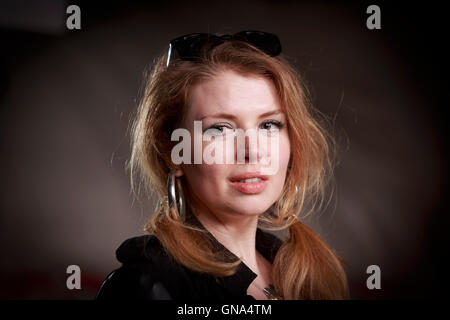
(177, 204)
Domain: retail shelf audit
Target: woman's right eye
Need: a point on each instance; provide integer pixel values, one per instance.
(217, 130)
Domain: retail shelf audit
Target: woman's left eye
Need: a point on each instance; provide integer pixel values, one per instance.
(268, 125)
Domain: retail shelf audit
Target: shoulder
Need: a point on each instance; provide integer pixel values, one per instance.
(268, 243)
(139, 249)
(267, 238)
(139, 277)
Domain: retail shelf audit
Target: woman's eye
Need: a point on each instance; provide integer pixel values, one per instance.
(217, 130)
(272, 124)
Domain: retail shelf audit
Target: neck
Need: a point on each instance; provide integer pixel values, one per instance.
(235, 232)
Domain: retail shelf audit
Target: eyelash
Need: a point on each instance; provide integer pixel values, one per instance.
(279, 124)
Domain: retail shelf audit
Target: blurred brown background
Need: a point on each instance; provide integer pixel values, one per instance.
(66, 98)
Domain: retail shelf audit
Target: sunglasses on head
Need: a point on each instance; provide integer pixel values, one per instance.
(188, 47)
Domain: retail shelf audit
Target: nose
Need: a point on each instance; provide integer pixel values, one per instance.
(251, 149)
(255, 147)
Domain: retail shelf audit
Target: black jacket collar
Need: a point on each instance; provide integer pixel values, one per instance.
(141, 249)
(267, 244)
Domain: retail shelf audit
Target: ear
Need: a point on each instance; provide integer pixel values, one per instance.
(172, 166)
(179, 171)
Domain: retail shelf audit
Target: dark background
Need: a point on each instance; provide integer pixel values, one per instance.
(66, 98)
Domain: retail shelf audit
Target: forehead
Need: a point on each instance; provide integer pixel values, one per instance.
(231, 92)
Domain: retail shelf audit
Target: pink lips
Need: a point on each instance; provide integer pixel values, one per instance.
(249, 187)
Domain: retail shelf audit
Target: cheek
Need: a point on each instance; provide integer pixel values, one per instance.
(206, 181)
(285, 152)
(283, 157)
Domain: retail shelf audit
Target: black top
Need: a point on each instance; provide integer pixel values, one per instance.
(149, 272)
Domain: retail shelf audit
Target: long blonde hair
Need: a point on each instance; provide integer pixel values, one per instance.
(314, 271)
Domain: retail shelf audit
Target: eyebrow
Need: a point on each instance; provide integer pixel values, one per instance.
(231, 116)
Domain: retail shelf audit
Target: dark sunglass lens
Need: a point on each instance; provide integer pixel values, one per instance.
(189, 46)
(267, 42)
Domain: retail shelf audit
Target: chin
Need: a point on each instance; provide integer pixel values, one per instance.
(250, 207)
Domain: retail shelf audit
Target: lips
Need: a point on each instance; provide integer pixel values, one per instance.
(249, 182)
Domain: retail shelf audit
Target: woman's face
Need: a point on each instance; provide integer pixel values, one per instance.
(224, 103)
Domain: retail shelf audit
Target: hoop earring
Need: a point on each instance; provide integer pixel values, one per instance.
(177, 204)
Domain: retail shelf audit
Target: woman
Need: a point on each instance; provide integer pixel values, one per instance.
(208, 239)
